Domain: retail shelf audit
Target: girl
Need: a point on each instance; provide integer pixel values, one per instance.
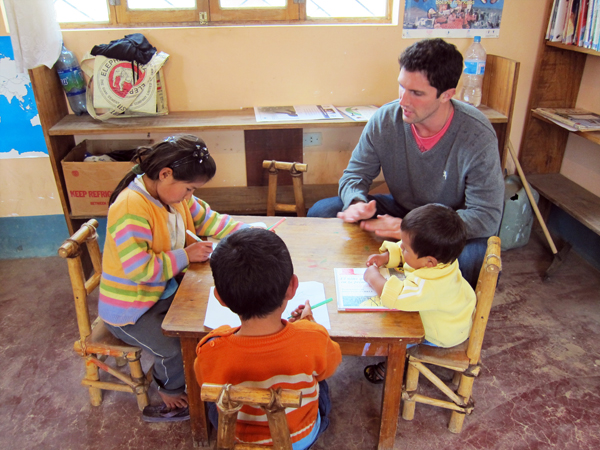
(147, 247)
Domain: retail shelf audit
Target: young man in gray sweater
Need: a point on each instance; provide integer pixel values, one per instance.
(431, 149)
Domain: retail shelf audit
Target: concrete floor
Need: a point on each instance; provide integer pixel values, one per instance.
(539, 387)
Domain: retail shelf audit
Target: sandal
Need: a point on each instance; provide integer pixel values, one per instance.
(160, 413)
(375, 373)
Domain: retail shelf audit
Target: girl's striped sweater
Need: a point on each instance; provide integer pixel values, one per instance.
(138, 260)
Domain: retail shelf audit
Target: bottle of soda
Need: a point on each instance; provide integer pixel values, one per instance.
(473, 73)
(72, 80)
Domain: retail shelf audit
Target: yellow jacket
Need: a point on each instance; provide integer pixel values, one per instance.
(445, 300)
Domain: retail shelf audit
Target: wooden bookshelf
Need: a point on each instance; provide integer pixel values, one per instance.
(557, 77)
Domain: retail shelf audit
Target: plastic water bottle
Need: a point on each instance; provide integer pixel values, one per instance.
(72, 80)
(473, 73)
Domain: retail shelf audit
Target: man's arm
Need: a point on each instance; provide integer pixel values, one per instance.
(484, 195)
(362, 169)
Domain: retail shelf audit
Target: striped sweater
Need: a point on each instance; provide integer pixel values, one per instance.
(138, 260)
(298, 357)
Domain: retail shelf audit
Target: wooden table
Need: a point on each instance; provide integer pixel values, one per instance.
(317, 246)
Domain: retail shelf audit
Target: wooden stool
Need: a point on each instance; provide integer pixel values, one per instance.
(230, 399)
(296, 170)
(95, 342)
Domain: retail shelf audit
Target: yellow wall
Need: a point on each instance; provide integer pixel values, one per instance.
(235, 67)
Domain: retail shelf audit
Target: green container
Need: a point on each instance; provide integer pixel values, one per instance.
(517, 218)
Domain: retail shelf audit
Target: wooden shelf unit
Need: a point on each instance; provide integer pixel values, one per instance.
(556, 81)
(60, 129)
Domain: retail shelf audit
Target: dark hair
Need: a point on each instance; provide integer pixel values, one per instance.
(185, 154)
(440, 61)
(252, 269)
(435, 230)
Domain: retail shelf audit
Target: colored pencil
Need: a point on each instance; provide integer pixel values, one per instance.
(272, 227)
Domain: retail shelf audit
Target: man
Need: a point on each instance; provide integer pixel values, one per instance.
(432, 149)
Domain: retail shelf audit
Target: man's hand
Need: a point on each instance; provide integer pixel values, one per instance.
(358, 211)
(385, 226)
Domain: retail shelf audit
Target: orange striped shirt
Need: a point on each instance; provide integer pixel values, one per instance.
(298, 357)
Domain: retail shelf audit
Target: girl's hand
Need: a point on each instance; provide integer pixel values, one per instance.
(379, 260)
(374, 279)
(199, 251)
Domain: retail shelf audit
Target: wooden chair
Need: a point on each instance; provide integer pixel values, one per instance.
(296, 170)
(464, 359)
(230, 399)
(95, 342)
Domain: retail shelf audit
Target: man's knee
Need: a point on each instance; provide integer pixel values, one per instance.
(327, 207)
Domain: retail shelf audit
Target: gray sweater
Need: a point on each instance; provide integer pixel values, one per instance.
(461, 171)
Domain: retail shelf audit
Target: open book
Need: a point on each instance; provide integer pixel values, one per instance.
(355, 294)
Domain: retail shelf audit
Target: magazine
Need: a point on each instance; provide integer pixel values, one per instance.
(355, 294)
(575, 119)
(295, 112)
(358, 113)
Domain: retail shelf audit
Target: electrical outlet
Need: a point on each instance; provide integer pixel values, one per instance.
(312, 139)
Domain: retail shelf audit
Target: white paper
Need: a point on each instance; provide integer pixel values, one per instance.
(359, 113)
(296, 112)
(217, 315)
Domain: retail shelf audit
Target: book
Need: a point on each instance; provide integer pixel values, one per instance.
(355, 294)
(358, 113)
(559, 24)
(589, 24)
(552, 19)
(296, 112)
(574, 119)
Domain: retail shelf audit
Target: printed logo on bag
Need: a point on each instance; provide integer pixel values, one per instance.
(117, 80)
(121, 78)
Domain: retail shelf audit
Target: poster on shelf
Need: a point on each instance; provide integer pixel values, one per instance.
(452, 18)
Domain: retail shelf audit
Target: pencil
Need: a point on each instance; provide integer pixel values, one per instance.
(272, 227)
(193, 235)
(318, 304)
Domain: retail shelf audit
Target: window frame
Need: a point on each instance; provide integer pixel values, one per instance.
(209, 13)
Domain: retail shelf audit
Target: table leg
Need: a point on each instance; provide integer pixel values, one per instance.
(392, 392)
(198, 418)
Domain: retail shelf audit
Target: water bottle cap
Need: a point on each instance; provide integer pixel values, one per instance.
(477, 39)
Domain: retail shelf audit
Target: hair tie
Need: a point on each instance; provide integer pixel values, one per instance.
(200, 153)
(137, 169)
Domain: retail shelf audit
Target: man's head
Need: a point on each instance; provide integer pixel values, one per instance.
(432, 234)
(440, 62)
(253, 272)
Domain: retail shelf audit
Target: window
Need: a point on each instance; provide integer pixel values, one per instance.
(102, 13)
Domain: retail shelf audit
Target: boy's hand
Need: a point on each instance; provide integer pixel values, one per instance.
(379, 260)
(301, 312)
(374, 279)
(199, 251)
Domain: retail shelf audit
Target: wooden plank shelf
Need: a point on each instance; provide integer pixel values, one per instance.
(191, 121)
(573, 48)
(593, 136)
(570, 197)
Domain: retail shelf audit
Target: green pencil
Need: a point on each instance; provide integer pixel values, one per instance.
(318, 304)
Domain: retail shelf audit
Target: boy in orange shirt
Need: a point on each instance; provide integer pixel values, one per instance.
(254, 277)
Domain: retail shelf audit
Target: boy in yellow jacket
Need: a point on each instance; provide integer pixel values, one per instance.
(432, 238)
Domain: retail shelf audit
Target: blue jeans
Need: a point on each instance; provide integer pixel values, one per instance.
(469, 261)
(324, 409)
